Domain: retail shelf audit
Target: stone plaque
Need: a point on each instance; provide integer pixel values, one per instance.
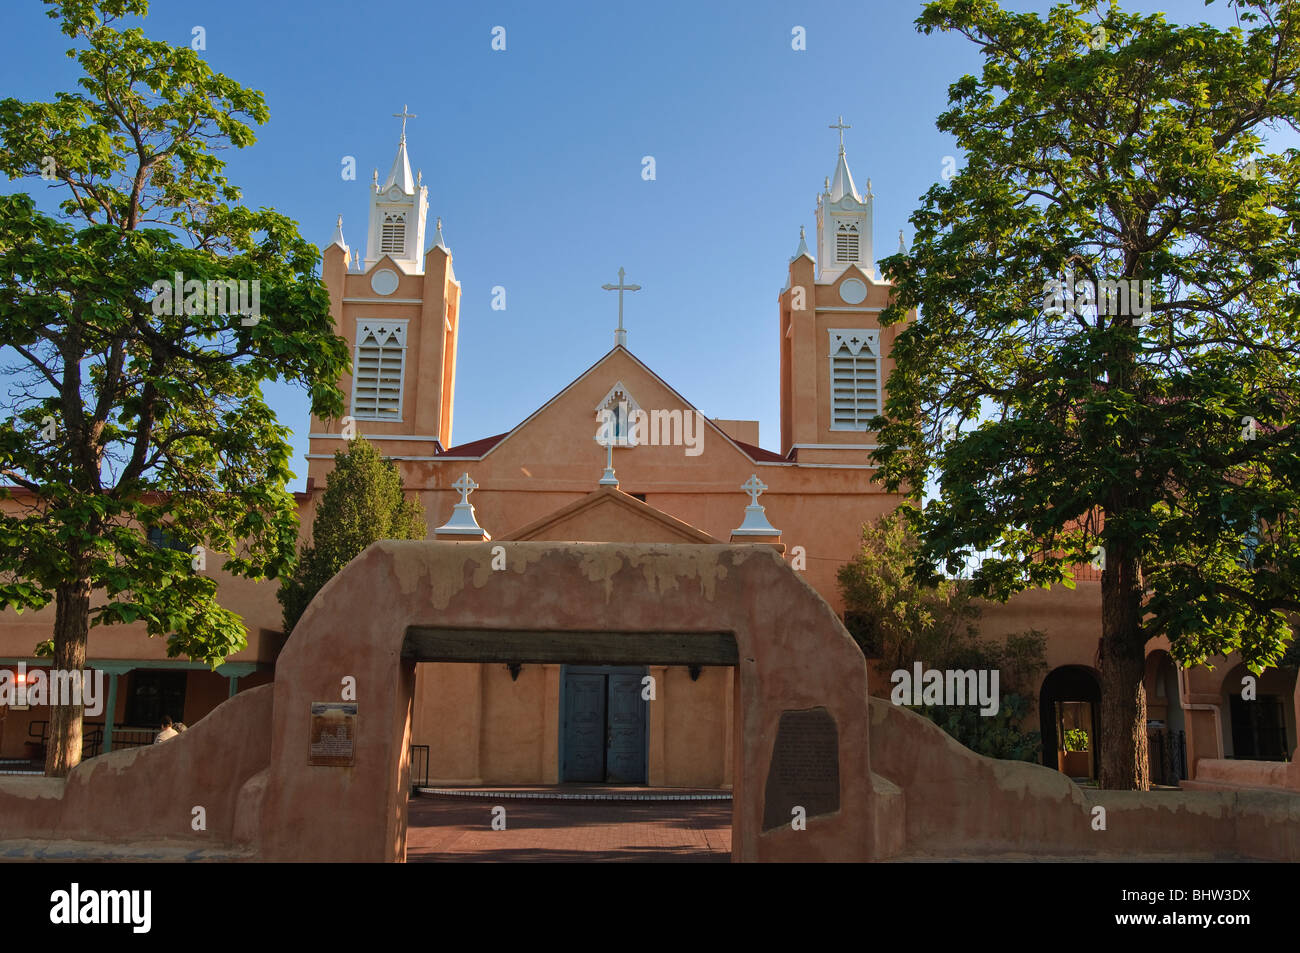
(805, 769)
(333, 730)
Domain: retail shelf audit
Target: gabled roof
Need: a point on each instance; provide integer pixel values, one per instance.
(638, 519)
(481, 448)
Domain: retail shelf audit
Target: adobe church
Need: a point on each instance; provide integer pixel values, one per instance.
(661, 471)
(619, 455)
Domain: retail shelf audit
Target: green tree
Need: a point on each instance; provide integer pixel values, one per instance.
(894, 618)
(1058, 425)
(363, 502)
(133, 403)
(900, 621)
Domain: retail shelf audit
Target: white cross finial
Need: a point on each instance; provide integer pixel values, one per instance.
(466, 486)
(841, 126)
(404, 115)
(620, 336)
(754, 487)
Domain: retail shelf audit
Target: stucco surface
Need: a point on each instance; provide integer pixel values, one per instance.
(793, 654)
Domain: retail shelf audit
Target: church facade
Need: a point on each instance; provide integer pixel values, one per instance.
(618, 454)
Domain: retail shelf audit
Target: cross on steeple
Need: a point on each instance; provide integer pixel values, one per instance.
(754, 487)
(404, 115)
(841, 126)
(620, 336)
(466, 486)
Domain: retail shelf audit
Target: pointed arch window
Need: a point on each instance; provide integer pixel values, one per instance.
(855, 378)
(614, 416)
(846, 242)
(378, 368)
(392, 237)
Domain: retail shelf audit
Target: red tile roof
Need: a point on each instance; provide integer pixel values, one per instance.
(475, 448)
(758, 454)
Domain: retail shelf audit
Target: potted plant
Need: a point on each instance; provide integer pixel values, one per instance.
(1076, 759)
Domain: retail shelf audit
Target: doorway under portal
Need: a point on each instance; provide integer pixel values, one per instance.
(604, 724)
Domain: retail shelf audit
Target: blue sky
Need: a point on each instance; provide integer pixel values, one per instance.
(533, 160)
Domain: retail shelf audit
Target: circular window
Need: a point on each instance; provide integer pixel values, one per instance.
(853, 291)
(384, 281)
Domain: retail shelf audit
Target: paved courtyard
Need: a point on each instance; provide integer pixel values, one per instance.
(459, 829)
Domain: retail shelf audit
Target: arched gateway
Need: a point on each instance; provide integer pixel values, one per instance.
(802, 715)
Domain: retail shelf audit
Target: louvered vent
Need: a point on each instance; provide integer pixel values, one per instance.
(392, 239)
(846, 243)
(855, 384)
(377, 373)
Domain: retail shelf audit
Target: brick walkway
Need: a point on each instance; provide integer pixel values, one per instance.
(459, 829)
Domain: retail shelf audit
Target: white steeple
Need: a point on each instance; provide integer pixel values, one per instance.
(398, 209)
(338, 237)
(802, 250)
(843, 221)
(842, 181)
(400, 174)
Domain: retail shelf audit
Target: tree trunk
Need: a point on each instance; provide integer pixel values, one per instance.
(71, 628)
(1123, 727)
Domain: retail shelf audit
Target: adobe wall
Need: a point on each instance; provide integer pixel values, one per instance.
(960, 803)
(247, 762)
(148, 794)
(793, 655)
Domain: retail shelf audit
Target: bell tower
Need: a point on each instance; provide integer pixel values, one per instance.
(843, 220)
(399, 310)
(834, 353)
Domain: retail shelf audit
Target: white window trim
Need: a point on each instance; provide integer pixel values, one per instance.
(838, 338)
(632, 406)
(399, 332)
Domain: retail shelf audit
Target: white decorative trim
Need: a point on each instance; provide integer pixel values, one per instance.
(840, 466)
(383, 331)
(383, 301)
(369, 436)
(833, 446)
(856, 340)
(618, 390)
(383, 278)
(386, 456)
(857, 310)
(387, 334)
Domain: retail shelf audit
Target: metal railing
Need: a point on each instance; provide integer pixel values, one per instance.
(92, 738)
(1167, 756)
(419, 766)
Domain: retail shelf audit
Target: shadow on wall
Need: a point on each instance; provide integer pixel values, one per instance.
(961, 803)
(205, 778)
(957, 803)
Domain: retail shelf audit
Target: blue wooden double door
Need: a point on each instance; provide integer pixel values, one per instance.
(605, 725)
